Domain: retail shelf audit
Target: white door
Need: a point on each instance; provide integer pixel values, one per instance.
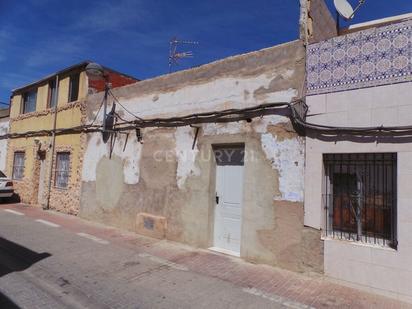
(228, 209)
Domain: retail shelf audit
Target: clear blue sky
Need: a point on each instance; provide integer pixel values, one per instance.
(39, 37)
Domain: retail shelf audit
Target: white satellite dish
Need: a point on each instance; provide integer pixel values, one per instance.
(345, 9)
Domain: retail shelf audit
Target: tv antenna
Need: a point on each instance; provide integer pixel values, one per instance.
(345, 10)
(175, 55)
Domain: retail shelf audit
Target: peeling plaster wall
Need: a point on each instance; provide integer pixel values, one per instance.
(186, 156)
(287, 157)
(129, 154)
(165, 178)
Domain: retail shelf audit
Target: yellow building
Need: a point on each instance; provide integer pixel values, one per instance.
(37, 111)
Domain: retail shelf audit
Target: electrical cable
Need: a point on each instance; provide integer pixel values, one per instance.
(225, 116)
(118, 102)
(98, 111)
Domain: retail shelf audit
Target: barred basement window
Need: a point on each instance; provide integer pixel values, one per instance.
(62, 170)
(18, 165)
(360, 197)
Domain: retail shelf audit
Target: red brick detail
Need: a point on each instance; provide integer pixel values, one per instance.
(116, 79)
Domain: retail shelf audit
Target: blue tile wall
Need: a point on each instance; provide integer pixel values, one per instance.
(368, 58)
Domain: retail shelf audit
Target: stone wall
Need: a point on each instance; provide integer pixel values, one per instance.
(316, 21)
(33, 188)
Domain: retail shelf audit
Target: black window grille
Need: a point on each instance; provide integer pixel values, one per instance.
(360, 197)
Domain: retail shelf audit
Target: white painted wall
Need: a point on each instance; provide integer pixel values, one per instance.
(223, 93)
(4, 128)
(382, 270)
(130, 154)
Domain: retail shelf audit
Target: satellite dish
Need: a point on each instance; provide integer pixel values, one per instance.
(344, 8)
(109, 123)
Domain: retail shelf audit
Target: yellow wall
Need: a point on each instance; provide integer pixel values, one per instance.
(43, 119)
(42, 96)
(43, 92)
(63, 91)
(15, 106)
(83, 85)
(65, 119)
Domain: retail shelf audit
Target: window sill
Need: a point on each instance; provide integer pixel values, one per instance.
(60, 188)
(360, 244)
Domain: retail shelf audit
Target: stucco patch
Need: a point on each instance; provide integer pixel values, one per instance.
(286, 156)
(109, 182)
(130, 155)
(185, 155)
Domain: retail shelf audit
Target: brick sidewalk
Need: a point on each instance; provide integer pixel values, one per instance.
(264, 281)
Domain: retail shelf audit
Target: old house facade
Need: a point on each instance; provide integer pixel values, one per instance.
(45, 168)
(234, 186)
(212, 156)
(358, 165)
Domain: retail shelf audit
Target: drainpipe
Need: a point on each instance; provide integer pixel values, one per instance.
(53, 144)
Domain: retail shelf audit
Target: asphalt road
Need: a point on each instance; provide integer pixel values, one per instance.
(47, 266)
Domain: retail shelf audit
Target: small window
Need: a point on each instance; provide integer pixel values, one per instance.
(18, 165)
(62, 169)
(74, 87)
(29, 101)
(360, 197)
(52, 99)
(229, 155)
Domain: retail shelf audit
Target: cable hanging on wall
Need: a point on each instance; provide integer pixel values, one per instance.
(295, 110)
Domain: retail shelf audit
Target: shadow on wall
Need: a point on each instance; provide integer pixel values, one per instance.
(14, 257)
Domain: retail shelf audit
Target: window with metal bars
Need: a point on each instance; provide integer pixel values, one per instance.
(360, 197)
(62, 170)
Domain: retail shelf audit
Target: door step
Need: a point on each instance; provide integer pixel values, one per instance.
(225, 251)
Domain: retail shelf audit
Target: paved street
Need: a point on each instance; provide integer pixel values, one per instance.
(49, 260)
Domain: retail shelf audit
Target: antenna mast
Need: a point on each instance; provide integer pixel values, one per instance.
(175, 55)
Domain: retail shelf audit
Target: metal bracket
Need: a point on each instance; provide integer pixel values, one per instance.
(195, 138)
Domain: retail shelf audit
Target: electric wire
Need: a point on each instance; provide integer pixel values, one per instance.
(230, 115)
(118, 102)
(98, 111)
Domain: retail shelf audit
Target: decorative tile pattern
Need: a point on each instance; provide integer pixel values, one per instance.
(372, 57)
